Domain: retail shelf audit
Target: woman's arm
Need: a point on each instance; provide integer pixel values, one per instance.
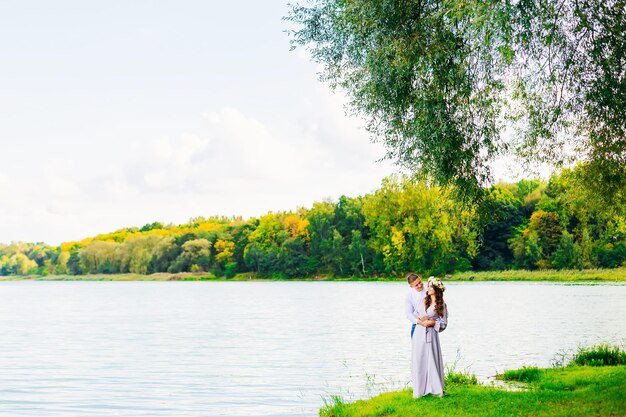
(426, 322)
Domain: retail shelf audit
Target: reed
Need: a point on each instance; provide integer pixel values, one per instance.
(599, 355)
(526, 374)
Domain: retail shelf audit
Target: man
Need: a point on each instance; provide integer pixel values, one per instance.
(415, 296)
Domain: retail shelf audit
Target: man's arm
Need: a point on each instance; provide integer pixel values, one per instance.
(409, 309)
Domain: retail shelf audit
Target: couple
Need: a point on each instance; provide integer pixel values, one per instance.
(428, 313)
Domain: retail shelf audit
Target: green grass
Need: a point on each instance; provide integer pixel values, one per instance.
(570, 391)
(599, 355)
(525, 374)
(588, 275)
(184, 276)
(460, 378)
(617, 274)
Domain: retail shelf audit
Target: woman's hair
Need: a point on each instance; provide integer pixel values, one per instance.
(412, 277)
(439, 304)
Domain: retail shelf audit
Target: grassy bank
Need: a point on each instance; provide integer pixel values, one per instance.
(618, 274)
(571, 391)
(185, 276)
(592, 384)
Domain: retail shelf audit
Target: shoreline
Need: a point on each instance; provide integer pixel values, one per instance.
(588, 275)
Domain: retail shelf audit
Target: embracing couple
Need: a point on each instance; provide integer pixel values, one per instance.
(428, 313)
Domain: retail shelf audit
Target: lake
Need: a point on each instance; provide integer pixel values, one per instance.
(266, 348)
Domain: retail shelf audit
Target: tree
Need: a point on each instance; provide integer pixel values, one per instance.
(358, 254)
(526, 250)
(321, 218)
(240, 235)
(548, 229)
(151, 226)
(163, 255)
(136, 253)
(20, 264)
(417, 227)
(195, 252)
(61, 264)
(98, 257)
(503, 214)
(4, 265)
(294, 258)
(74, 265)
(433, 79)
(567, 254)
(224, 253)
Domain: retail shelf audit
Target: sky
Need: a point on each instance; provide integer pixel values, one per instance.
(116, 114)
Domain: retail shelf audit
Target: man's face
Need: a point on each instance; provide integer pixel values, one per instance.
(417, 285)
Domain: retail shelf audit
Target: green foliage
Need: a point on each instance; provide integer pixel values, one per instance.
(599, 355)
(417, 227)
(503, 213)
(568, 253)
(411, 70)
(406, 225)
(434, 79)
(230, 270)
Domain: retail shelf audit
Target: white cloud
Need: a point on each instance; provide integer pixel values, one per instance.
(62, 187)
(245, 148)
(4, 184)
(238, 165)
(232, 164)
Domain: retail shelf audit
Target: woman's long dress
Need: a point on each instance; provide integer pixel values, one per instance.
(426, 360)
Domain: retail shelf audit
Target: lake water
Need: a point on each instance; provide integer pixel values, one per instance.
(265, 348)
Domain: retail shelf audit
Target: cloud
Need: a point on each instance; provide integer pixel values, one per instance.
(245, 148)
(232, 150)
(62, 187)
(4, 184)
(232, 164)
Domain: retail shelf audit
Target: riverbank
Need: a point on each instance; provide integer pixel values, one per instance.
(617, 274)
(591, 275)
(569, 391)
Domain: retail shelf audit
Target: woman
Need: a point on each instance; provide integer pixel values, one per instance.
(426, 361)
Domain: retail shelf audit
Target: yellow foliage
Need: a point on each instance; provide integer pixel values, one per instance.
(296, 226)
(67, 246)
(397, 239)
(225, 250)
(85, 242)
(209, 227)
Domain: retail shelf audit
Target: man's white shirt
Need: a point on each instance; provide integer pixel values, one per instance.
(413, 299)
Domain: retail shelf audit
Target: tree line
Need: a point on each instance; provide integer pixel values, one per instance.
(405, 225)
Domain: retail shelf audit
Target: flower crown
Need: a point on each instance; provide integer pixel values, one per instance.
(436, 282)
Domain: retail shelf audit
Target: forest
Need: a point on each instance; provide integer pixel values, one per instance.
(405, 225)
